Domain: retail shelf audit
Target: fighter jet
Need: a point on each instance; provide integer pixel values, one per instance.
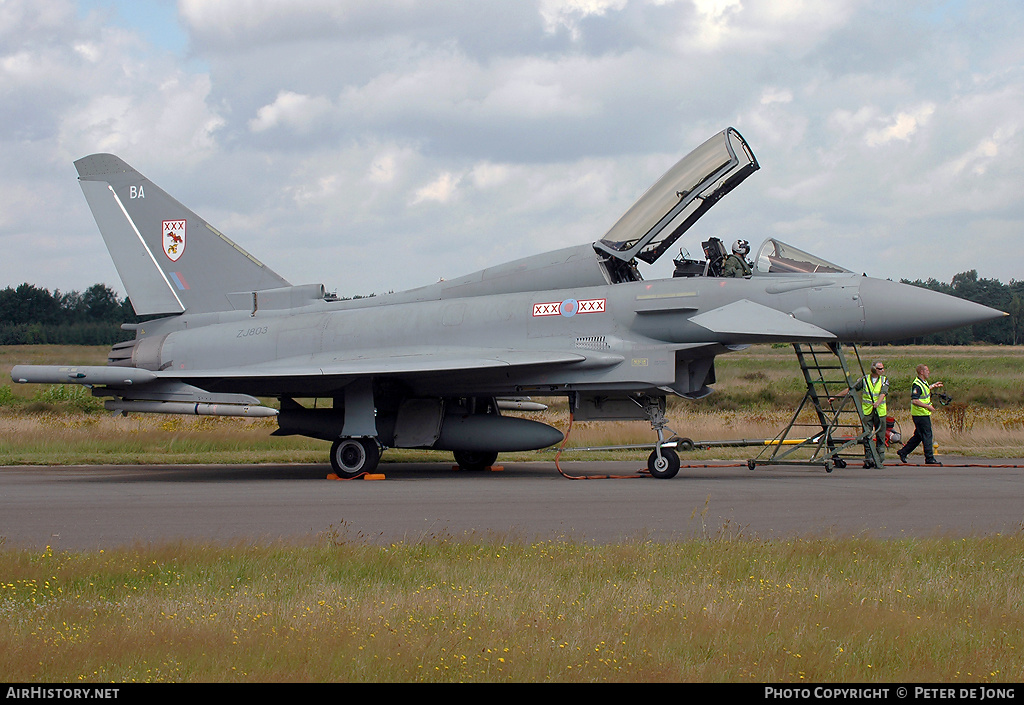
(429, 367)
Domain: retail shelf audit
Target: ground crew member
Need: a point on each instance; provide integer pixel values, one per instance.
(921, 413)
(873, 388)
(735, 265)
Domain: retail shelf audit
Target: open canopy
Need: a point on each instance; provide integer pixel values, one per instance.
(675, 202)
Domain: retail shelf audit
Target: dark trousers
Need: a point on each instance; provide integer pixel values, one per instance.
(923, 436)
(877, 425)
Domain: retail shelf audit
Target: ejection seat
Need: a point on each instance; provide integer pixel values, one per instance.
(714, 253)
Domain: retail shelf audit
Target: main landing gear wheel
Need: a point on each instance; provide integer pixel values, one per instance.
(665, 466)
(475, 459)
(353, 456)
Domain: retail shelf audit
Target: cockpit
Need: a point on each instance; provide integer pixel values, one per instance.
(773, 257)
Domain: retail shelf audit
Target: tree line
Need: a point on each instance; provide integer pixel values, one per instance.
(1009, 298)
(31, 315)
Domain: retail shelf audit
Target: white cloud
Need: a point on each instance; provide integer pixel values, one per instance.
(383, 169)
(88, 50)
(533, 97)
(486, 175)
(294, 110)
(976, 160)
(901, 126)
(172, 121)
(759, 26)
(776, 95)
(566, 14)
(440, 190)
(33, 18)
(714, 20)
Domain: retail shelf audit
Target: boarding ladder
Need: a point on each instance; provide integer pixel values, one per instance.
(829, 427)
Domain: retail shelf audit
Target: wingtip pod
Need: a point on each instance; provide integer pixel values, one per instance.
(893, 311)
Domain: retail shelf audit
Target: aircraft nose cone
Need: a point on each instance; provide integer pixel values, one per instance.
(893, 311)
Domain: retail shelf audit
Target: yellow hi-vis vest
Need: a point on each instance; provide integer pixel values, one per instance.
(870, 392)
(926, 397)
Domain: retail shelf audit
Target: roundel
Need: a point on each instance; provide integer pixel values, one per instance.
(569, 307)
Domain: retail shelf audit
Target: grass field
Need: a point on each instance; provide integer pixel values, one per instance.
(725, 609)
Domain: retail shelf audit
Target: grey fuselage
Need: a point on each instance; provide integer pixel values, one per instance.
(642, 336)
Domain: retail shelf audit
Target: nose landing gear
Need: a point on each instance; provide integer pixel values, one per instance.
(663, 462)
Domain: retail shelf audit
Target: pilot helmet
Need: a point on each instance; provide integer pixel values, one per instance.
(741, 247)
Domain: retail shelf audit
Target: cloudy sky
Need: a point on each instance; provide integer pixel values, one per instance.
(376, 146)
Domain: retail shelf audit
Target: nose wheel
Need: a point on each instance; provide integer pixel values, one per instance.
(663, 463)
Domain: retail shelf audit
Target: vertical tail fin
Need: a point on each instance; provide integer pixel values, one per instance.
(169, 259)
